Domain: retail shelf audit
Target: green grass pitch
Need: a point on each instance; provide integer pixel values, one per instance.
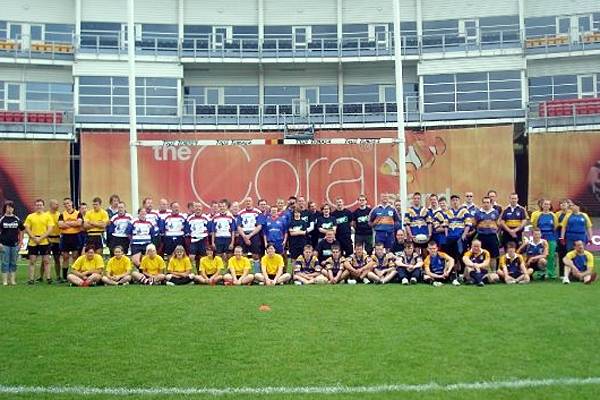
(146, 337)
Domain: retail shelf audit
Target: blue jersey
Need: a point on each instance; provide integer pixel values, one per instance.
(487, 221)
(534, 249)
(384, 219)
(547, 223)
(439, 221)
(458, 220)
(577, 225)
(275, 229)
(435, 264)
(417, 219)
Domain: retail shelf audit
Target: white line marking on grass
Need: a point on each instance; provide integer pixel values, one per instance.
(324, 390)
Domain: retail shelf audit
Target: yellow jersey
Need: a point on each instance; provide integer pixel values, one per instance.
(70, 217)
(180, 264)
(272, 264)
(83, 264)
(54, 236)
(96, 216)
(118, 266)
(239, 266)
(38, 224)
(211, 266)
(152, 266)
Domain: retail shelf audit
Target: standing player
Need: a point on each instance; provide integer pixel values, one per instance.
(472, 209)
(95, 222)
(83, 209)
(535, 252)
(70, 222)
(174, 228)
(513, 220)
(363, 233)
(54, 238)
(297, 234)
(307, 269)
(249, 226)
(324, 247)
(113, 205)
(359, 265)
(313, 217)
(548, 223)
(343, 226)
(384, 267)
(477, 265)
(579, 264)
(239, 269)
(142, 233)
(384, 219)
(561, 247)
(325, 222)
(439, 267)
(417, 221)
(493, 196)
(38, 226)
(335, 266)
(486, 223)
(11, 237)
(459, 225)
(199, 227)
(275, 230)
(409, 265)
(118, 229)
(512, 266)
(439, 222)
(576, 226)
(223, 228)
(272, 268)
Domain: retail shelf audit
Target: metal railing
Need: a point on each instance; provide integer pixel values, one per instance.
(564, 113)
(24, 47)
(37, 121)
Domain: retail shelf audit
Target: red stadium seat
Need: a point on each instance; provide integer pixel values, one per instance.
(2, 116)
(58, 117)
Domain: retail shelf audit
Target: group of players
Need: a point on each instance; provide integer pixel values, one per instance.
(238, 244)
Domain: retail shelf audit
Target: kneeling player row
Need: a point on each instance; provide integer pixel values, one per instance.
(381, 267)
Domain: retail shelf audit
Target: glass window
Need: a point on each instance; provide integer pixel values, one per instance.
(505, 95)
(36, 32)
(439, 88)
(444, 78)
(472, 87)
(473, 106)
(474, 96)
(15, 31)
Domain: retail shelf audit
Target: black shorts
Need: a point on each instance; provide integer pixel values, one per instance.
(346, 246)
(119, 241)
(508, 238)
(138, 248)
(70, 242)
(171, 242)
(254, 247)
(198, 248)
(55, 248)
(39, 250)
(96, 241)
(222, 245)
(490, 243)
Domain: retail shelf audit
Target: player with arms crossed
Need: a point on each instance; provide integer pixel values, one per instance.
(198, 228)
(223, 231)
(70, 222)
(249, 226)
(38, 226)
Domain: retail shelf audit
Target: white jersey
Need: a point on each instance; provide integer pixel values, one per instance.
(198, 226)
(119, 225)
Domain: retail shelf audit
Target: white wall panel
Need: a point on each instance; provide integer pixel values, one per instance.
(306, 12)
(435, 67)
(363, 12)
(566, 66)
(156, 11)
(301, 75)
(457, 9)
(55, 11)
(36, 73)
(540, 8)
(119, 68)
(224, 75)
(222, 12)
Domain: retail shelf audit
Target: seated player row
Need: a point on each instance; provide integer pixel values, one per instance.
(381, 267)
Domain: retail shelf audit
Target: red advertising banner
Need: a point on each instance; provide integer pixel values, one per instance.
(33, 169)
(440, 161)
(566, 165)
